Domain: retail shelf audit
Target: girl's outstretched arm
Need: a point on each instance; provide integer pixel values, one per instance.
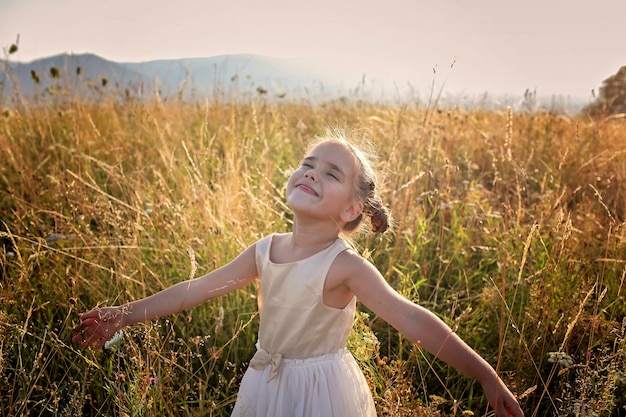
(96, 327)
(425, 329)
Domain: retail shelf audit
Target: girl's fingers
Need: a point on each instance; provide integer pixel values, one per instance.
(80, 330)
(510, 410)
(101, 344)
(90, 331)
(89, 314)
(96, 336)
(91, 340)
(88, 322)
(96, 327)
(84, 337)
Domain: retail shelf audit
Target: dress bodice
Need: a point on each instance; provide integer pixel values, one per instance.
(294, 319)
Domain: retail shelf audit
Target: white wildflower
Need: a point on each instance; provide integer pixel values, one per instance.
(561, 358)
(115, 340)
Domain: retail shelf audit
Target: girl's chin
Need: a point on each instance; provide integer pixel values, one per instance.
(296, 202)
(299, 207)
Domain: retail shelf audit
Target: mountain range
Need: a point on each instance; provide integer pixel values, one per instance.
(227, 76)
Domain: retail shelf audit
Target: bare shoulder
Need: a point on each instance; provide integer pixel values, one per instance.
(339, 287)
(279, 240)
(352, 269)
(365, 281)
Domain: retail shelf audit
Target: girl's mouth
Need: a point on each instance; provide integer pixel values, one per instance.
(305, 188)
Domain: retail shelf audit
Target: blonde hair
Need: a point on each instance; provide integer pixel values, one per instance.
(367, 179)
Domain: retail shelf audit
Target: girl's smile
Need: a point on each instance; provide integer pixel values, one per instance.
(305, 188)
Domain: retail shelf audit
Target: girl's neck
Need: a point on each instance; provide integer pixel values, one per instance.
(316, 236)
(298, 245)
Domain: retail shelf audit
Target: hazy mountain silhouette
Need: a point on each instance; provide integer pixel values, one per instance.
(229, 77)
(90, 76)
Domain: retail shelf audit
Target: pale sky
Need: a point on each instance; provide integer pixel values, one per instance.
(496, 46)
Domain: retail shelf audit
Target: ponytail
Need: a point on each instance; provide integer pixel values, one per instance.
(378, 214)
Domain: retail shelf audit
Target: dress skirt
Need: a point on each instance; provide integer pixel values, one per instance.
(330, 385)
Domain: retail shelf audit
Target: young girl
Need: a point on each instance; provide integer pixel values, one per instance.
(309, 282)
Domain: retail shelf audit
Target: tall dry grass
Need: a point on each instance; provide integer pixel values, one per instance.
(511, 227)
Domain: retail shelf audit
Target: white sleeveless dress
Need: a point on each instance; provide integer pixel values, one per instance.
(302, 367)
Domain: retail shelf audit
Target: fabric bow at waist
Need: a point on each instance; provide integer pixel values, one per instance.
(262, 358)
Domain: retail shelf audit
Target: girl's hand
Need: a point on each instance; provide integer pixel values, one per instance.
(502, 400)
(96, 327)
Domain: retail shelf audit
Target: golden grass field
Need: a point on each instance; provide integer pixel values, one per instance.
(511, 226)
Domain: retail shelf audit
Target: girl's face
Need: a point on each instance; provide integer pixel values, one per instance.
(323, 186)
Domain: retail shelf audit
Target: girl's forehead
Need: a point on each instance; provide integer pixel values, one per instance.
(335, 153)
(332, 148)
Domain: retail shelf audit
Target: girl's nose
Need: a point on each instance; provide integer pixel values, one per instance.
(310, 174)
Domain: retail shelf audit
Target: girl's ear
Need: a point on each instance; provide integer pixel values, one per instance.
(352, 211)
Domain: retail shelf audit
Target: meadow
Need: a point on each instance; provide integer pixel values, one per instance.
(511, 226)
